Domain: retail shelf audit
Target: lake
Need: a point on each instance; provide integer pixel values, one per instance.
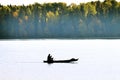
(23, 59)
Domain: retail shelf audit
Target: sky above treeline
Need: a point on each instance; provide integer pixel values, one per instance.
(27, 2)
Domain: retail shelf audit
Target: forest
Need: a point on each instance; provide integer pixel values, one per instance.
(93, 19)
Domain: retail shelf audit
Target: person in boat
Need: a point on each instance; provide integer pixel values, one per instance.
(49, 58)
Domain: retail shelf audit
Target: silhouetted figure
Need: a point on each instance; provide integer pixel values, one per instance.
(49, 58)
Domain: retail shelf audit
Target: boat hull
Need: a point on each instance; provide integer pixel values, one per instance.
(61, 61)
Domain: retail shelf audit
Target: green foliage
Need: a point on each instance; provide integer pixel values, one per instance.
(57, 20)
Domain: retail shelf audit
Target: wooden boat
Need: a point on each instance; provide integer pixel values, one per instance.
(61, 61)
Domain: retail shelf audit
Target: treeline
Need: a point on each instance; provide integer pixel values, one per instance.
(59, 20)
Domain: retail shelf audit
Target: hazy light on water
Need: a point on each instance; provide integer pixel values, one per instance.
(22, 60)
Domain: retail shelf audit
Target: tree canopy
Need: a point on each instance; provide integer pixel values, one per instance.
(58, 20)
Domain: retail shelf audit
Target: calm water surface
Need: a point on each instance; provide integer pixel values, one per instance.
(23, 60)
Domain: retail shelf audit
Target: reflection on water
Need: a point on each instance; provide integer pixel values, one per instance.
(23, 60)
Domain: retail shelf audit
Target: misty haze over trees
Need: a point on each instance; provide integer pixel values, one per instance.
(57, 20)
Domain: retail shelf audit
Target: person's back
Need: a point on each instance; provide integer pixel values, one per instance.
(49, 58)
